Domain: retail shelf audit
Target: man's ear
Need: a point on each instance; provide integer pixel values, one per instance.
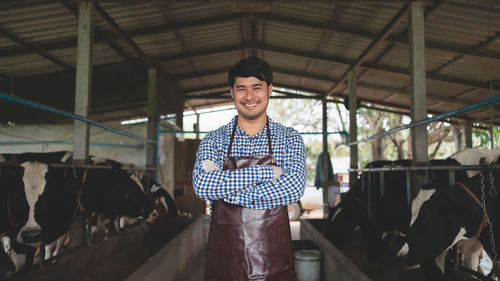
(231, 93)
(270, 89)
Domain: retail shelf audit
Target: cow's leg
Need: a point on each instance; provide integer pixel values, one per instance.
(61, 241)
(7, 267)
(116, 222)
(49, 249)
(24, 249)
(89, 221)
(42, 252)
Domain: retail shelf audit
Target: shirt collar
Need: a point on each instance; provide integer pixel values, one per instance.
(262, 132)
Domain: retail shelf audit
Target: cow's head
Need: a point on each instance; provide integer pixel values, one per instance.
(446, 218)
(56, 207)
(347, 216)
(136, 202)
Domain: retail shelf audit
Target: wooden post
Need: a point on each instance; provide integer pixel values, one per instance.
(417, 88)
(468, 134)
(325, 158)
(153, 116)
(353, 126)
(83, 89)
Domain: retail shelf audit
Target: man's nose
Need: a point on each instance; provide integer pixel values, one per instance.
(249, 93)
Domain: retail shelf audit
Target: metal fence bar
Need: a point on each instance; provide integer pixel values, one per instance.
(464, 167)
(408, 187)
(429, 120)
(70, 143)
(57, 165)
(73, 116)
(302, 133)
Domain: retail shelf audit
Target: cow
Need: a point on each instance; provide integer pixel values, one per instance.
(380, 210)
(47, 199)
(39, 203)
(451, 214)
(114, 193)
(14, 212)
(354, 212)
(471, 249)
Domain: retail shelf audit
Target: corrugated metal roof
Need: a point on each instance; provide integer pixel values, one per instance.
(310, 45)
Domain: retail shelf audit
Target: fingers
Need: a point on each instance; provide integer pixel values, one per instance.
(209, 166)
(277, 172)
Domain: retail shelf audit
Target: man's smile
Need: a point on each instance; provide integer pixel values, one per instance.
(250, 105)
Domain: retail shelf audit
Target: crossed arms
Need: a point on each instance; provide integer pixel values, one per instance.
(257, 186)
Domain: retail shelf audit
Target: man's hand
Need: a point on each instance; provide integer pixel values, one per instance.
(277, 172)
(209, 166)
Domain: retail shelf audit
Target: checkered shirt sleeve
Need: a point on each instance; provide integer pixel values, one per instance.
(285, 190)
(220, 184)
(252, 187)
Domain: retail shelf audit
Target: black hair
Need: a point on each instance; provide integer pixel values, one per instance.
(251, 67)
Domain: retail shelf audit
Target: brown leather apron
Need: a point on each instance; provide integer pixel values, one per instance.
(248, 244)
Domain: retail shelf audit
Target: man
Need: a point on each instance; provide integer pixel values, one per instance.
(250, 169)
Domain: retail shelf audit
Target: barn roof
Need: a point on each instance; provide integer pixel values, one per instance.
(309, 44)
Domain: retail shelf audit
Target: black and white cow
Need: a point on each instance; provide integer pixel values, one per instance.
(47, 200)
(379, 210)
(358, 207)
(113, 193)
(470, 248)
(451, 214)
(14, 212)
(45, 196)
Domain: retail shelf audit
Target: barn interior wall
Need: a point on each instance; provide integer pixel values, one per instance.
(113, 85)
(171, 97)
(64, 133)
(185, 156)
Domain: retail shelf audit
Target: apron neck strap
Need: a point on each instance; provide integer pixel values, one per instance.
(269, 138)
(234, 130)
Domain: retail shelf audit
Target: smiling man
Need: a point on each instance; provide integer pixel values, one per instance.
(250, 169)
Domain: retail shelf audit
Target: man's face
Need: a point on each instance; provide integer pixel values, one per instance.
(251, 96)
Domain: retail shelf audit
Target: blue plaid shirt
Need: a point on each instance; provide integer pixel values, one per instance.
(252, 187)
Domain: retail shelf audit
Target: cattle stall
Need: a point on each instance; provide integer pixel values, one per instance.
(72, 70)
(472, 186)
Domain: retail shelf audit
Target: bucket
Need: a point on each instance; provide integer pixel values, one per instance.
(307, 264)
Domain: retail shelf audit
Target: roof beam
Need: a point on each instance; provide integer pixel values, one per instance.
(431, 12)
(98, 32)
(165, 8)
(152, 30)
(328, 58)
(33, 47)
(117, 30)
(244, 36)
(319, 95)
(478, 48)
(337, 14)
(396, 39)
(375, 43)
(329, 79)
(260, 34)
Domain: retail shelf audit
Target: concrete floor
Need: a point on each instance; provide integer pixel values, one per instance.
(194, 271)
(119, 256)
(295, 225)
